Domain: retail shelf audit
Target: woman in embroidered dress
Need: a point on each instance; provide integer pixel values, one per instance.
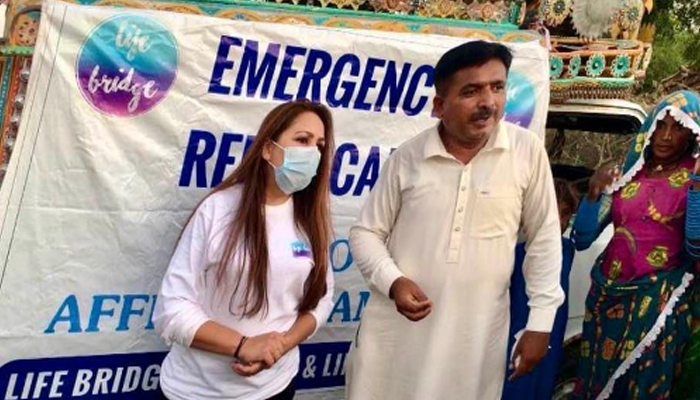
(638, 317)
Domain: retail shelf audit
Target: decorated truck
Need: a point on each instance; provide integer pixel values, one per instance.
(118, 116)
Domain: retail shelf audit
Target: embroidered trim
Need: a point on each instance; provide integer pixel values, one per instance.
(649, 339)
(605, 208)
(677, 114)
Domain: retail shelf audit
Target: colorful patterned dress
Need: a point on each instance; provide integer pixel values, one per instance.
(638, 317)
(649, 219)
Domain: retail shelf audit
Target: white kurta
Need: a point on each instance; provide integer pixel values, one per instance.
(452, 229)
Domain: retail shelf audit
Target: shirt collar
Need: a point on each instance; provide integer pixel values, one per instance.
(434, 146)
(500, 139)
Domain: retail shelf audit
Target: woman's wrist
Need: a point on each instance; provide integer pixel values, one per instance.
(289, 342)
(593, 195)
(695, 178)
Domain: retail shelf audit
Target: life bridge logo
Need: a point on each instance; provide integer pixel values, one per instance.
(522, 100)
(127, 65)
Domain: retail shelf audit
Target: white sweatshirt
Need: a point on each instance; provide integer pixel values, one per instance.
(189, 297)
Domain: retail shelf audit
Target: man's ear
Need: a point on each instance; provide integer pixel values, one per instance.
(438, 104)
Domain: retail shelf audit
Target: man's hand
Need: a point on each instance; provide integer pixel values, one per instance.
(531, 349)
(410, 300)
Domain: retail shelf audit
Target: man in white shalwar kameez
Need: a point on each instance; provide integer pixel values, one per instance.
(436, 239)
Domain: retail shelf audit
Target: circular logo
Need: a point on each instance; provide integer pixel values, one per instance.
(127, 65)
(521, 101)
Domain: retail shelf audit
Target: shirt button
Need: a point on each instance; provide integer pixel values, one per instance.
(460, 209)
(463, 188)
(457, 229)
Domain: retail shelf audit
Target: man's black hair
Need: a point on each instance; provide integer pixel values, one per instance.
(470, 54)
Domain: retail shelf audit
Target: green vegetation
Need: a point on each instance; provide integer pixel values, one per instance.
(677, 39)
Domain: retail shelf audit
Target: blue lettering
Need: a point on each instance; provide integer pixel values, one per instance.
(128, 309)
(348, 87)
(72, 317)
(98, 310)
(367, 83)
(256, 72)
(193, 158)
(335, 256)
(351, 150)
(150, 325)
(225, 158)
(370, 172)
(408, 106)
(364, 298)
(222, 64)
(391, 87)
(342, 307)
(287, 72)
(248, 142)
(249, 68)
(312, 78)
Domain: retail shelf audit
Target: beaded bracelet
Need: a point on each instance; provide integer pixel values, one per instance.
(692, 216)
(695, 177)
(692, 249)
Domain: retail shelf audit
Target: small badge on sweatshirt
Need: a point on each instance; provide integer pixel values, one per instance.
(300, 249)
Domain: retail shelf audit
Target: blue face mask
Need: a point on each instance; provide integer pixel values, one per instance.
(298, 168)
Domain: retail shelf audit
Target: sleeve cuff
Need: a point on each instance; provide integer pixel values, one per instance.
(588, 206)
(541, 320)
(386, 277)
(192, 329)
(319, 323)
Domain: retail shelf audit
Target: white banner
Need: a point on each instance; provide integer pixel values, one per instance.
(130, 118)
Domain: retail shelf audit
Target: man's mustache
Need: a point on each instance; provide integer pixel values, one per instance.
(483, 113)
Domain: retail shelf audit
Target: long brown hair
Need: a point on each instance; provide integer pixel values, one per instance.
(311, 212)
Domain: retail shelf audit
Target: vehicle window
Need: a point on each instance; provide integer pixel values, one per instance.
(575, 155)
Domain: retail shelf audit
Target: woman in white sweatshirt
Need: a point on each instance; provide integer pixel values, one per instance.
(250, 277)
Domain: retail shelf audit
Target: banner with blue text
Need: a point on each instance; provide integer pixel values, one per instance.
(131, 117)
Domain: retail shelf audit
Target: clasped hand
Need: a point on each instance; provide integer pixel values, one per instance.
(260, 352)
